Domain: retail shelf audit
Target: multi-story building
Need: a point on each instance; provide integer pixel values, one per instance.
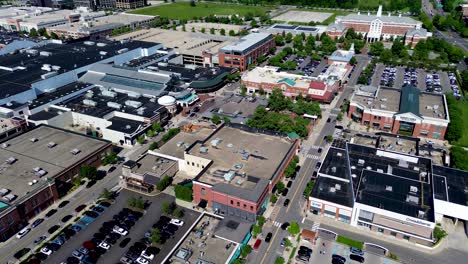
(386, 187)
(247, 51)
(321, 88)
(130, 4)
(377, 27)
(234, 167)
(39, 168)
(404, 111)
(95, 4)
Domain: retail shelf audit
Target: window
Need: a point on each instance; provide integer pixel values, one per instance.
(188, 162)
(251, 207)
(203, 191)
(238, 203)
(245, 206)
(381, 230)
(193, 163)
(393, 233)
(406, 237)
(232, 202)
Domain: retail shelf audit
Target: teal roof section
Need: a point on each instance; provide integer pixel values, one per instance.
(293, 135)
(409, 100)
(290, 82)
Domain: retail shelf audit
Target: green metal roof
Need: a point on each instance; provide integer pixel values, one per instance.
(288, 81)
(293, 135)
(409, 100)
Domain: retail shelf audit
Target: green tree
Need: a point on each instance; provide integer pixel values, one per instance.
(216, 119)
(353, 61)
(156, 237)
(168, 207)
(277, 101)
(33, 32)
(141, 139)
(256, 229)
(439, 233)
(193, 29)
(88, 172)
(212, 31)
(376, 48)
(232, 33)
(294, 228)
(289, 37)
(136, 202)
(170, 134)
(178, 212)
(280, 187)
(261, 220)
(163, 183)
(279, 260)
(226, 119)
(183, 193)
(153, 146)
(222, 32)
(386, 56)
(298, 43)
(53, 35)
(273, 199)
(110, 158)
(253, 23)
(339, 116)
(157, 127)
(183, 28)
(203, 30)
(459, 158)
(246, 250)
(398, 47)
(329, 138)
(192, 3)
(150, 133)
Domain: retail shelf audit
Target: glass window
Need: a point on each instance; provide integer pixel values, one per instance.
(203, 191)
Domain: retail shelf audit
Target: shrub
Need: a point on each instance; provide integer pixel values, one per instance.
(153, 146)
(273, 198)
(170, 134)
(163, 183)
(294, 228)
(350, 242)
(183, 193)
(168, 207)
(246, 250)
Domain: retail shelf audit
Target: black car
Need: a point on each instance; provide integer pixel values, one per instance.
(285, 225)
(124, 242)
(111, 241)
(285, 192)
(68, 232)
(98, 209)
(111, 169)
(336, 259)
(318, 164)
(91, 214)
(39, 239)
(114, 236)
(53, 229)
(63, 204)
(298, 168)
(314, 174)
(99, 235)
(268, 237)
(289, 184)
(72, 260)
(66, 218)
(105, 230)
(37, 222)
(90, 183)
(53, 246)
(80, 208)
(286, 202)
(105, 204)
(357, 258)
(328, 120)
(319, 150)
(51, 213)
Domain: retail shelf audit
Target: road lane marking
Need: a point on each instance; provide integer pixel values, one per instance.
(270, 244)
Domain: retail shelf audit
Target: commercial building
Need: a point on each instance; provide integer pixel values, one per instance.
(95, 5)
(198, 49)
(17, 19)
(28, 74)
(234, 168)
(406, 111)
(384, 189)
(321, 88)
(120, 117)
(378, 26)
(130, 4)
(101, 27)
(39, 167)
(246, 51)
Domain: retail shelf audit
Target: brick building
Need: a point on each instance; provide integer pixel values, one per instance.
(377, 27)
(130, 4)
(39, 168)
(404, 111)
(247, 51)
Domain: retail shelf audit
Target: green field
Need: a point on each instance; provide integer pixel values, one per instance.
(185, 11)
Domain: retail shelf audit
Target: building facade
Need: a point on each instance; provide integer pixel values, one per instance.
(130, 4)
(406, 112)
(247, 51)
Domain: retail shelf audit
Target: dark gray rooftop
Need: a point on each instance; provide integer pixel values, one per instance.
(451, 185)
(332, 190)
(124, 125)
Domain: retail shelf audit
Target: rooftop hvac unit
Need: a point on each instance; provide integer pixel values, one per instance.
(134, 104)
(114, 105)
(56, 67)
(136, 95)
(89, 43)
(338, 186)
(339, 154)
(333, 169)
(40, 173)
(75, 151)
(229, 175)
(48, 75)
(5, 145)
(9, 197)
(421, 214)
(89, 102)
(103, 53)
(389, 188)
(412, 199)
(332, 189)
(413, 189)
(51, 144)
(100, 44)
(45, 53)
(120, 51)
(203, 150)
(33, 139)
(36, 169)
(215, 142)
(108, 93)
(4, 191)
(180, 144)
(11, 160)
(361, 162)
(32, 51)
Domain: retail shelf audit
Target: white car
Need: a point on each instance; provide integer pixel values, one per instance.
(46, 251)
(177, 222)
(120, 231)
(104, 245)
(23, 232)
(147, 255)
(142, 260)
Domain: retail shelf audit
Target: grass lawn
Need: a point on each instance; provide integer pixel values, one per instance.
(463, 141)
(349, 242)
(372, 4)
(183, 10)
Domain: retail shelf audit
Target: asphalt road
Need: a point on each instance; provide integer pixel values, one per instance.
(80, 196)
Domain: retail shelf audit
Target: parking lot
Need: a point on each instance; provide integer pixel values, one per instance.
(135, 233)
(426, 81)
(306, 65)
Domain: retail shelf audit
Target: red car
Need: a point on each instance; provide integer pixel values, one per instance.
(257, 244)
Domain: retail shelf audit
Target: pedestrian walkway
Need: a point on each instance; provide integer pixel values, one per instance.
(315, 226)
(314, 157)
(277, 224)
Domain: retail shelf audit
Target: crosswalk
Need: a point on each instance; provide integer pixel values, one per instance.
(314, 157)
(277, 224)
(315, 226)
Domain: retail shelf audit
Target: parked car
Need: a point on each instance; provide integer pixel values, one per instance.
(37, 222)
(104, 245)
(80, 208)
(46, 251)
(285, 192)
(289, 184)
(286, 202)
(177, 222)
(23, 232)
(337, 259)
(285, 225)
(120, 231)
(317, 166)
(268, 237)
(63, 204)
(357, 258)
(66, 218)
(91, 214)
(257, 243)
(356, 251)
(39, 239)
(283, 242)
(51, 213)
(77, 254)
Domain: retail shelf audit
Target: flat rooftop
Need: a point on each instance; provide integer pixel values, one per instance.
(332, 190)
(177, 145)
(182, 42)
(396, 194)
(153, 164)
(60, 92)
(432, 105)
(333, 164)
(451, 185)
(29, 155)
(29, 64)
(11, 11)
(104, 22)
(386, 99)
(251, 159)
(6, 124)
(248, 42)
(398, 143)
(204, 247)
